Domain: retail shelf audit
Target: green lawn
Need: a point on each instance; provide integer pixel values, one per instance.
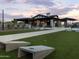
(16, 31)
(65, 43)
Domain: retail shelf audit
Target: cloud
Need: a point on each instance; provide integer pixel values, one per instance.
(18, 14)
(61, 7)
(42, 10)
(33, 2)
(75, 6)
(41, 2)
(31, 12)
(20, 1)
(27, 8)
(8, 17)
(72, 14)
(63, 10)
(35, 11)
(12, 1)
(58, 11)
(5, 1)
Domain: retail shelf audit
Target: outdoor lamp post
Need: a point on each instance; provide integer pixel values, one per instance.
(2, 19)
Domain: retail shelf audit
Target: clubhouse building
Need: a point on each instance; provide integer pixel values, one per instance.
(44, 21)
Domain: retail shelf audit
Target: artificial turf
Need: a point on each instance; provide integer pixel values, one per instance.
(66, 45)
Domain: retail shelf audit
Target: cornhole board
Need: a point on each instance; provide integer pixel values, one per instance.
(11, 45)
(36, 52)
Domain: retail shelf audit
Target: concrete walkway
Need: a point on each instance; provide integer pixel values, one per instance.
(27, 35)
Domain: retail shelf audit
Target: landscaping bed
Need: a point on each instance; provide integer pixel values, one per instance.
(16, 31)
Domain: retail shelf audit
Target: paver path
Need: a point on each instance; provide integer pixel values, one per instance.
(26, 35)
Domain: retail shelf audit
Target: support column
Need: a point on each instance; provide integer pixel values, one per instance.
(65, 23)
(30, 25)
(38, 23)
(52, 23)
(59, 23)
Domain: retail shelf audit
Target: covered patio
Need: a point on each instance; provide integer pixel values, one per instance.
(65, 20)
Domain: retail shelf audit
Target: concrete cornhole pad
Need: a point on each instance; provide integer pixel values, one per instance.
(37, 52)
(11, 45)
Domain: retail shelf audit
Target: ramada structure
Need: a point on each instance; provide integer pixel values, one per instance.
(45, 21)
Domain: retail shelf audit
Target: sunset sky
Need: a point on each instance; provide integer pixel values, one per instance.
(27, 8)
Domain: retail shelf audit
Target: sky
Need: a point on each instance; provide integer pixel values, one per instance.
(28, 8)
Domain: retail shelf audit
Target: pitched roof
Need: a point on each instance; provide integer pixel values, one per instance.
(65, 19)
(40, 16)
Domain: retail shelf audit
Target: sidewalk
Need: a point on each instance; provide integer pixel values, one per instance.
(27, 35)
